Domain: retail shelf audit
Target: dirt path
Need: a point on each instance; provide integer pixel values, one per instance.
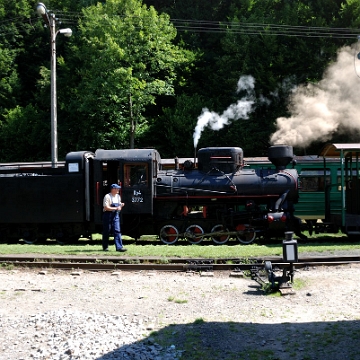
(216, 317)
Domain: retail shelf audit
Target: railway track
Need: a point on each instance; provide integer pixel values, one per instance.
(108, 263)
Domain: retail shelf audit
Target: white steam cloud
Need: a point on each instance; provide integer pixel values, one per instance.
(240, 110)
(318, 111)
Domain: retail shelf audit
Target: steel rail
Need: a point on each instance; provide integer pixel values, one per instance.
(106, 263)
(154, 259)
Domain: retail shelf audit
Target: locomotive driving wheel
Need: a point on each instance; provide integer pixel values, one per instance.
(219, 239)
(246, 235)
(30, 240)
(169, 234)
(29, 237)
(65, 236)
(194, 233)
(63, 240)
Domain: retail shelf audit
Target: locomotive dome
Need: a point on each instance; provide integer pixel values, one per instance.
(226, 159)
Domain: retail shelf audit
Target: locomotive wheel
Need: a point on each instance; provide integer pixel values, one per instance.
(30, 241)
(68, 239)
(248, 236)
(169, 234)
(2, 236)
(29, 237)
(62, 240)
(219, 239)
(194, 234)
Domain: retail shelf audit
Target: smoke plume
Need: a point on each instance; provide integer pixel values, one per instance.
(320, 110)
(240, 110)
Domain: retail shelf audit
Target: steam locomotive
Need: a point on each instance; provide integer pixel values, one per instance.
(216, 199)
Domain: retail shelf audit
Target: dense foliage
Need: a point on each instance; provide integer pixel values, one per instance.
(138, 74)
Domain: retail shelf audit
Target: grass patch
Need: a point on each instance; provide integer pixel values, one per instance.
(269, 291)
(7, 266)
(255, 354)
(154, 248)
(299, 284)
(177, 301)
(181, 301)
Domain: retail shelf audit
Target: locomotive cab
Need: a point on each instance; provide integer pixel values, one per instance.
(134, 170)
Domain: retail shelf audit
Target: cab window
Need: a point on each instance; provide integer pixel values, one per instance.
(136, 174)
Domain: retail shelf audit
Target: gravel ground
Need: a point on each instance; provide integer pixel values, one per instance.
(167, 316)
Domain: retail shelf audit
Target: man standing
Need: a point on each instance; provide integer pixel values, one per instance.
(111, 219)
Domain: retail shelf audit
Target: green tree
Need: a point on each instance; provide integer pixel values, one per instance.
(350, 13)
(13, 27)
(126, 60)
(124, 71)
(277, 63)
(24, 135)
(176, 126)
(25, 77)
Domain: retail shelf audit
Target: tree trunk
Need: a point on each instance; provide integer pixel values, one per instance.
(132, 124)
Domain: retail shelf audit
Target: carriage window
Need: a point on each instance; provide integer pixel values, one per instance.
(339, 183)
(313, 180)
(135, 175)
(353, 175)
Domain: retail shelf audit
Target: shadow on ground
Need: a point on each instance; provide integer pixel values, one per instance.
(248, 341)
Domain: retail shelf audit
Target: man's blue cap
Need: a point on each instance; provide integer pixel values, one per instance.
(115, 186)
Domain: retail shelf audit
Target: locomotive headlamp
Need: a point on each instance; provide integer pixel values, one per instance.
(290, 250)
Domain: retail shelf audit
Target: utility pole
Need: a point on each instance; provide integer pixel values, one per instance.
(50, 20)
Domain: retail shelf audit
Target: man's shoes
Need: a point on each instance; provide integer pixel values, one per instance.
(122, 250)
(105, 249)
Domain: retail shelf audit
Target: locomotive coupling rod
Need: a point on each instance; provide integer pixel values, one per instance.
(192, 235)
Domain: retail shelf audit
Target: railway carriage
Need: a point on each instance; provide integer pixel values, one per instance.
(346, 212)
(38, 201)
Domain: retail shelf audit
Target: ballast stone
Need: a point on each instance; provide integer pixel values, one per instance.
(70, 335)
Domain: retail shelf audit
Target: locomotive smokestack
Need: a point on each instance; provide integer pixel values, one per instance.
(280, 155)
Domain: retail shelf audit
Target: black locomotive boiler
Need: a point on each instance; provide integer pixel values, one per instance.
(217, 199)
(222, 199)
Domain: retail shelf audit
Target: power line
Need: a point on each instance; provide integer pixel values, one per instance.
(263, 29)
(219, 27)
(232, 23)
